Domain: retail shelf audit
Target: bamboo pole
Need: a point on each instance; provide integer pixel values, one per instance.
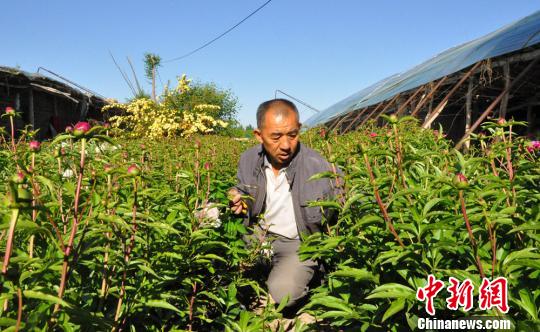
(496, 102)
(343, 118)
(429, 120)
(429, 96)
(384, 109)
(356, 118)
(504, 101)
(402, 108)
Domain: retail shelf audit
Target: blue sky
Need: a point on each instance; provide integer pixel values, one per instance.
(318, 51)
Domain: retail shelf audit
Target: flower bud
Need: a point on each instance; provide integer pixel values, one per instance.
(81, 128)
(133, 170)
(393, 119)
(10, 111)
(460, 181)
(108, 168)
(18, 178)
(69, 129)
(533, 146)
(34, 146)
(332, 159)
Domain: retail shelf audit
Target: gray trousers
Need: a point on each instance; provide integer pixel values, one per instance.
(289, 276)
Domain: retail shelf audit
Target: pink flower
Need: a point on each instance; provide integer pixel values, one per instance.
(107, 168)
(81, 128)
(10, 111)
(460, 181)
(133, 170)
(322, 133)
(501, 121)
(373, 134)
(18, 178)
(69, 129)
(34, 146)
(207, 166)
(533, 146)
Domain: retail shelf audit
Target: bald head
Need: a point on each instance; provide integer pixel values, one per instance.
(280, 108)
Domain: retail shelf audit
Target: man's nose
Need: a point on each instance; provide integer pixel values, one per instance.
(285, 144)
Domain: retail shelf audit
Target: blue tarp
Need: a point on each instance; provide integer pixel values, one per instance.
(513, 37)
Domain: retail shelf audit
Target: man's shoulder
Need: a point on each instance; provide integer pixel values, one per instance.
(252, 153)
(250, 157)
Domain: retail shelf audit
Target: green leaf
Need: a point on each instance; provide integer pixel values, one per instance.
(394, 308)
(323, 175)
(391, 290)
(158, 304)
(357, 274)
(45, 297)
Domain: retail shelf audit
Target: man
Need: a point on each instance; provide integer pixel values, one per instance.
(275, 175)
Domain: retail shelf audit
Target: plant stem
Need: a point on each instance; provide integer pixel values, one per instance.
(19, 310)
(128, 251)
(14, 149)
(9, 244)
(34, 211)
(191, 306)
(68, 248)
(471, 235)
(380, 203)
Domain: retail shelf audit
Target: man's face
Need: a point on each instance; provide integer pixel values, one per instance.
(279, 135)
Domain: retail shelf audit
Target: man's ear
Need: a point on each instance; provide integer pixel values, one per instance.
(257, 133)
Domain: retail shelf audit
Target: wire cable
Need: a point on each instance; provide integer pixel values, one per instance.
(218, 37)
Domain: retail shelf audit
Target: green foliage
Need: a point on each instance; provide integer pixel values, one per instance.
(151, 61)
(374, 278)
(145, 256)
(210, 94)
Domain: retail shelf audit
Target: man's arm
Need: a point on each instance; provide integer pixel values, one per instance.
(237, 204)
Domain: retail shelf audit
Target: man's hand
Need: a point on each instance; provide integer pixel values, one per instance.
(238, 206)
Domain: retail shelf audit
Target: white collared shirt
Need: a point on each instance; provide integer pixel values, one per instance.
(279, 214)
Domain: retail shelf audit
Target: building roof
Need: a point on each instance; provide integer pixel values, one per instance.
(68, 90)
(519, 35)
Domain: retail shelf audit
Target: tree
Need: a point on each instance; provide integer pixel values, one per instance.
(207, 94)
(151, 62)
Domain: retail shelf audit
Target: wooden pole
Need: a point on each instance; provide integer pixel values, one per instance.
(343, 118)
(504, 101)
(31, 116)
(355, 119)
(429, 96)
(384, 109)
(429, 120)
(468, 111)
(402, 108)
(496, 102)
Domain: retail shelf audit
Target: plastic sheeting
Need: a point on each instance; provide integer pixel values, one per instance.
(516, 36)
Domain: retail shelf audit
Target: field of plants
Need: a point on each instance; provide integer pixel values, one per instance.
(101, 233)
